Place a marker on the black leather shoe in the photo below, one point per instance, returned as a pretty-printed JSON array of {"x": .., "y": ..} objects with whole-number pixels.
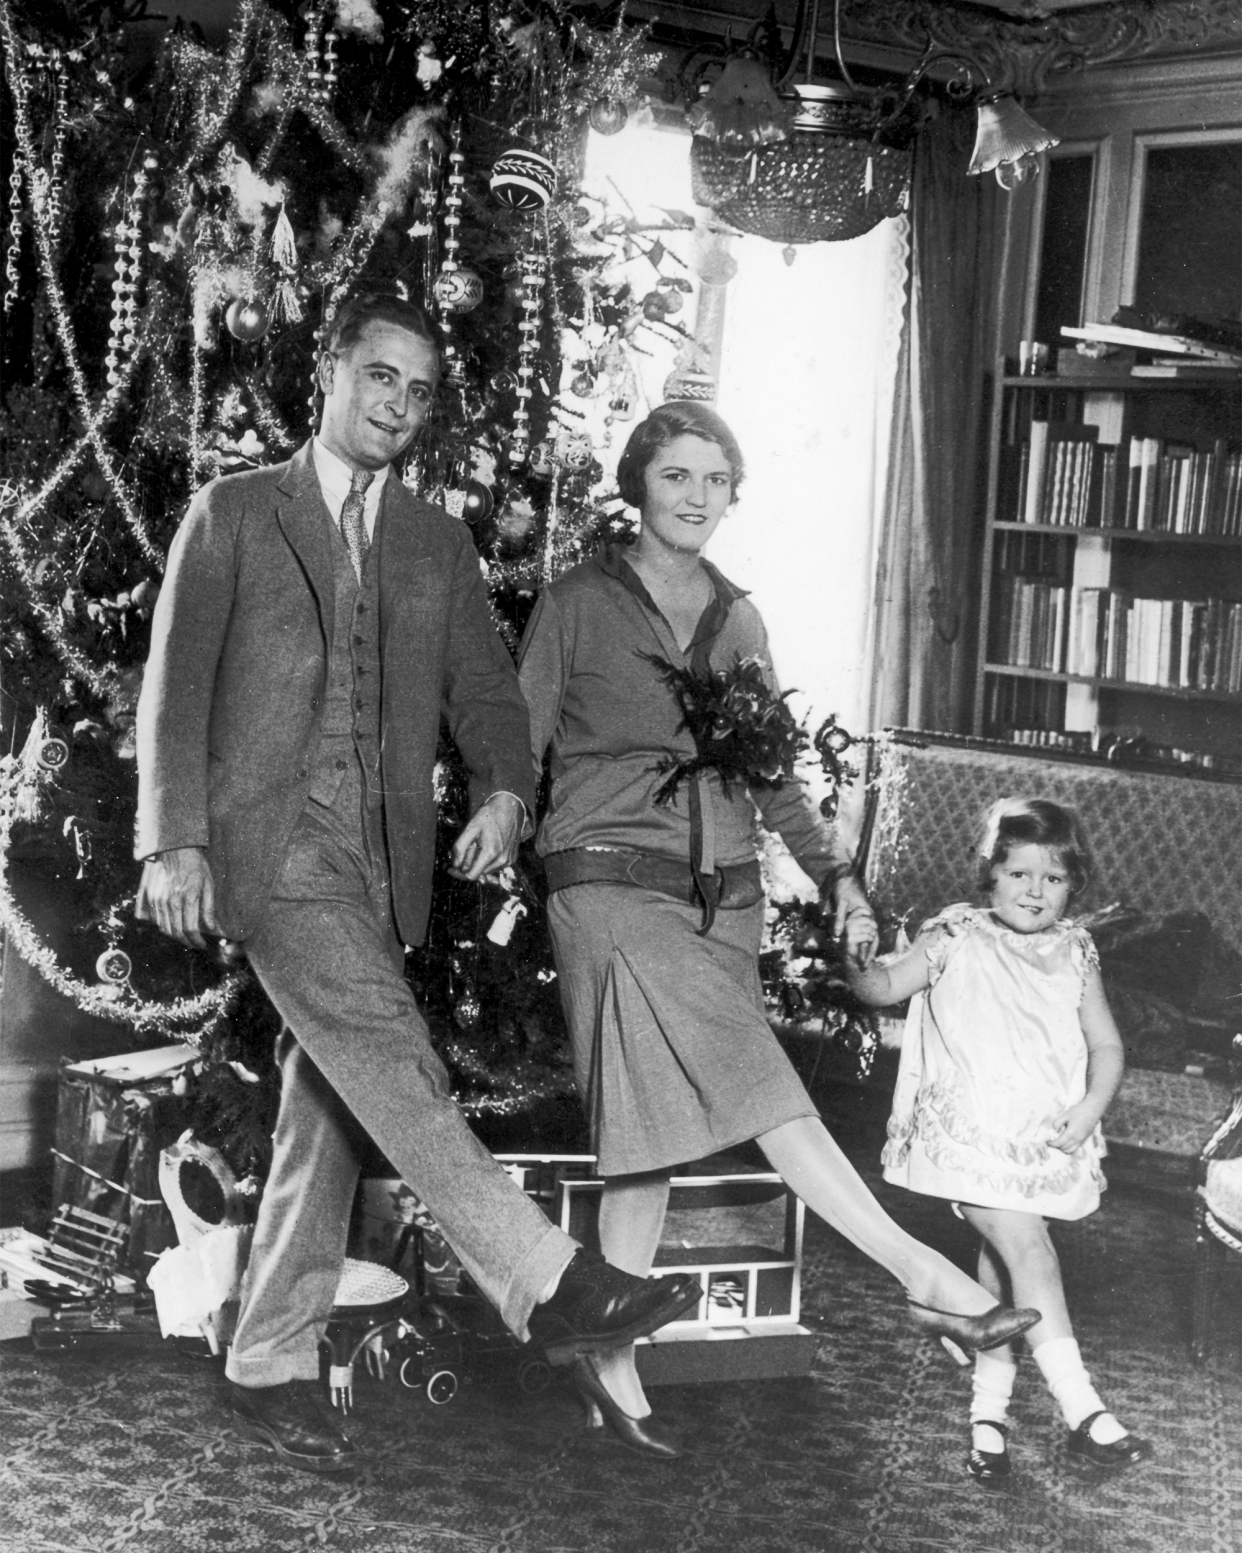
[
  {"x": 295, "y": 1421},
  {"x": 1124, "y": 1452},
  {"x": 989, "y": 1467},
  {"x": 597, "y": 1307},
  {"x": 643, "y": 1435}
]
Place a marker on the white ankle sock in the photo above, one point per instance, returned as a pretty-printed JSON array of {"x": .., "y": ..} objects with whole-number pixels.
[
  {"x": 1060, "y": 1363},
  {"x": 989, "y": 1403}
]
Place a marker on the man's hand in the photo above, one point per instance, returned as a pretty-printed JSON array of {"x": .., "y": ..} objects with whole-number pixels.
[
  {"x": 178, "y": 894},
  {"x": 489, "y": 840}
]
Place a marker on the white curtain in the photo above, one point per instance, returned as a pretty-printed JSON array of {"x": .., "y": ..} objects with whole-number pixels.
[{"x": 808, "y": 370}]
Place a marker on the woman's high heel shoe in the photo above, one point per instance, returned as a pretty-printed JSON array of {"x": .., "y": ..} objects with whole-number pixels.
[
  {"x": 640, "y": 1434},
  {"x": 963, "y": 1335}
]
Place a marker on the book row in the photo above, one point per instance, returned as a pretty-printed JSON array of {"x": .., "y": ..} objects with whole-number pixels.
[
  {"x": 1066, "y": 477},
  {"x": 1107, "y": 633}
]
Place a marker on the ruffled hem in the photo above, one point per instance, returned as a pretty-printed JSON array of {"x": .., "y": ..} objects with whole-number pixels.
[{"x": 1026, "y": 1171}]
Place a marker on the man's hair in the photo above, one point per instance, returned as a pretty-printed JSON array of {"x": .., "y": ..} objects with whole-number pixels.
[
  {"x": 376, "y": 306},
  {"x": 1020, "y": 822},
  {"x": 680, "y": 418}
]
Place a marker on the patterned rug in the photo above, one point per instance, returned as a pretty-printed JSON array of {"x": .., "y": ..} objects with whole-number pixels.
[{"x": 136, "y": 1453}]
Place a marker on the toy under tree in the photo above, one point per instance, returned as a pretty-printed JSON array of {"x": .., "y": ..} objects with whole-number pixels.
[{"x": 180, "y": 229}]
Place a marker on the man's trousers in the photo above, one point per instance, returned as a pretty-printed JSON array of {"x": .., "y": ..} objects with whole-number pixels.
[{"x": 355, "y": 1042}]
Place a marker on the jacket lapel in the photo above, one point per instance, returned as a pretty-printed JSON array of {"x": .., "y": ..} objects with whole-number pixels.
[
  {"x": 303, "y": 517},
  {"x": 406, "y": 569}
]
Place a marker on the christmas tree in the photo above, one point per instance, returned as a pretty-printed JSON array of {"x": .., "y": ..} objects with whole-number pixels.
[{"x": 181, "y": 228}]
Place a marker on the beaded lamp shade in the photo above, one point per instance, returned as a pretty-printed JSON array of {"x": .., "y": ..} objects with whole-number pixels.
[
  {"x": 843, "y": 168},
  {"x": 810, "y": 188}
]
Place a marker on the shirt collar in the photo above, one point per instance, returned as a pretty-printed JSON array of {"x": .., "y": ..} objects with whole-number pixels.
[
  {"x": 335, "y": 476},
  {"x": 613, "y": 562}
]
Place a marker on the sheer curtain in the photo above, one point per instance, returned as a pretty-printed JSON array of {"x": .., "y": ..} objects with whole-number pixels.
[{"x": 807, "y": 377}]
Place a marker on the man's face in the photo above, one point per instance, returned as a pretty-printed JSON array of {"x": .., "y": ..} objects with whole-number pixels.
[{"x": 377, "y": 393}]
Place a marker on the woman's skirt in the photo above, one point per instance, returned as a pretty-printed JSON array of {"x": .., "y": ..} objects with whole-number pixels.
[{"x": 672, "y": 1050}]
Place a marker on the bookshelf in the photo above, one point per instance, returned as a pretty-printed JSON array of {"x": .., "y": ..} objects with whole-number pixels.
[{"x": 1111, "y": 611}]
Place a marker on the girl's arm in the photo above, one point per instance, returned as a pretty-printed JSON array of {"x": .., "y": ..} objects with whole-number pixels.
[
  {"x": 882, "y": 985},
  {"x": 1106, "y": 1060}
]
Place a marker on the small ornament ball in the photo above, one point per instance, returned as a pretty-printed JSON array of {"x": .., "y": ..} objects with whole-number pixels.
[
  {"x": 523, "y": 180},
  {"x": 53, "y": 755},
  {"x": 247, "y": 320},
  {"x": 608, "y": 116},
  {"x": 113, "y": 966},
  {"x": 467, "y": 1011},
  {"x": 479, "y": 501},
  {"x": 457, "y": 291}
]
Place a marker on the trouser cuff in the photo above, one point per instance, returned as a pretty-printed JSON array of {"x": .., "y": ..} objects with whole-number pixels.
[{"x": 547, "y": 1258}]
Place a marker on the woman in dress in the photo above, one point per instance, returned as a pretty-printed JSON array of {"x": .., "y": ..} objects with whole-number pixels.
[{"x": 656, "y": 910}]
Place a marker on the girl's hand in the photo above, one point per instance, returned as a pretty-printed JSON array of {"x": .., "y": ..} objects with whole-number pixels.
[{"x": 1073, "y": 1127}]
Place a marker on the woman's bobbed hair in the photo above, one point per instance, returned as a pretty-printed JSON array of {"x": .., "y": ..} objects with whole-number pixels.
[
  {"x": 679, "y": 418},
  {"x": 1020, "y": 822}
]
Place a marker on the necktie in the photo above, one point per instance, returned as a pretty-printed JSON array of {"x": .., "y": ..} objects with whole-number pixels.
[{"x": 353, "y": 528}]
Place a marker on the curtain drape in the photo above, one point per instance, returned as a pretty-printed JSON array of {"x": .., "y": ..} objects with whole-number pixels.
[{"x": 927, "y": 582}]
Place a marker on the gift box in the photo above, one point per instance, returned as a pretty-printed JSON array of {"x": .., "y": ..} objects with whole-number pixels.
[{"x": 113, "y": 1117}]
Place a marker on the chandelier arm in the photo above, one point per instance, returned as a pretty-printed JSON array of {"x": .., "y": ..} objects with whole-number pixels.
[{"x": 789, "y": 59}]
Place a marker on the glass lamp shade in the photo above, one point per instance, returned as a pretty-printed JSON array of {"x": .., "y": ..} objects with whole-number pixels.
[{"x": 1008, "y": 142}]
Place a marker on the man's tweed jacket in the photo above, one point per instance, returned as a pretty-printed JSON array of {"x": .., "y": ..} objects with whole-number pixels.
[{"x": 233, "y": 693}]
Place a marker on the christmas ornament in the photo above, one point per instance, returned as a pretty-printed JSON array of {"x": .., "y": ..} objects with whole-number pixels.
[
  {"x": 467, "y": 1011},
  {"x": 479, "y": 501},
  {"x": 505, "y": 920},
  {"x": 608, "y": 116},
  {"x": 517, "y": 521},
  {"x": 457, "y": 291},
  {"x": 246, "y": 320},
  {"x": 523, "y": 180},
  {"x": 534, "y": 274},
  {"x": 114, "y": 967},
  {"x": 578, "y": 450},
  {"x": 52, "y": 755},
  {"x": 718, "y": 269},
  {"x": 542, "y": 460}
]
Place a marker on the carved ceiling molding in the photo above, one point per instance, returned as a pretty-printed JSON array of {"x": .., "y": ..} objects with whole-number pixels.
[{"x": 1026, "y": 56}]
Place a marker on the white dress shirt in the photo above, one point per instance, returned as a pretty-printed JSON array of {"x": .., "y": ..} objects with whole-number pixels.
[{"x": 335, "y": 478}]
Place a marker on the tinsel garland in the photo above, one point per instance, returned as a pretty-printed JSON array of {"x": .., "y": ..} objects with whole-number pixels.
[
  {"x": 117, "y": 1004},
  {"x": 51, "y": 279},
  {"x": 742, "y": 730}
]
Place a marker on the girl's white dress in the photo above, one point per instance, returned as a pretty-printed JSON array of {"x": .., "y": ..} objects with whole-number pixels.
[{"x": 993, "y": 1052}]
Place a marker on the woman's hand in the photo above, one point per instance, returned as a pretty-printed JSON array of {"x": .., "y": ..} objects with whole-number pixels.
[
  {"x": 1073, "y": 1127},
  {"x": 854, "y": 923}
]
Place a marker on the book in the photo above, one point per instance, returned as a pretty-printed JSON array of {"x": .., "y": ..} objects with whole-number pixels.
[
  {"x": 1200, "y": 371},
  {"x": 1152, "y": 340}
]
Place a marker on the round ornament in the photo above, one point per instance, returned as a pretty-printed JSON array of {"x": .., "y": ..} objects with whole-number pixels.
[
  {"x": 53, "y": 755},
  {"x": 457, "y": 291},
  {"x": 655, "y": 306},
  {"x": 523, "y": 180},
  {"x": 247, "y": 320},
  {"x": 542, "y": 460},
  {"x": 608, "y": 116},
  {"x": 114, "y": 967},
  {"x": 467, "y": 1011},
  {"x": 479, "y": 501}
]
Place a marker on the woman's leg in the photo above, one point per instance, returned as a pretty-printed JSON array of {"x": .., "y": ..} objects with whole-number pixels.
[
  {"x": 631, "y": 1216},
  {"x": 808, "y": 1158}
]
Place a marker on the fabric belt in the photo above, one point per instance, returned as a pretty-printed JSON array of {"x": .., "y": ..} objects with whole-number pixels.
[{"x": 729, "y": 888}]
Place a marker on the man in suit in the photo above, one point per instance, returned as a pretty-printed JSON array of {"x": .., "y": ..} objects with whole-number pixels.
[{"x": 316, "y": 622}]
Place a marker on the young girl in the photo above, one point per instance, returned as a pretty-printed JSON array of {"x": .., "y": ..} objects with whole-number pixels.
[{"x": 1010, "y": 1059}]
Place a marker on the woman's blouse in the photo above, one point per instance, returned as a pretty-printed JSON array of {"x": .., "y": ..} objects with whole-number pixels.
[{"x": 611, "y": 721}]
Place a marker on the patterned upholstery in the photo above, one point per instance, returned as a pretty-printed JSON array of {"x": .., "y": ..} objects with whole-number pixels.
[{"x": 1162, "y": 842}]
